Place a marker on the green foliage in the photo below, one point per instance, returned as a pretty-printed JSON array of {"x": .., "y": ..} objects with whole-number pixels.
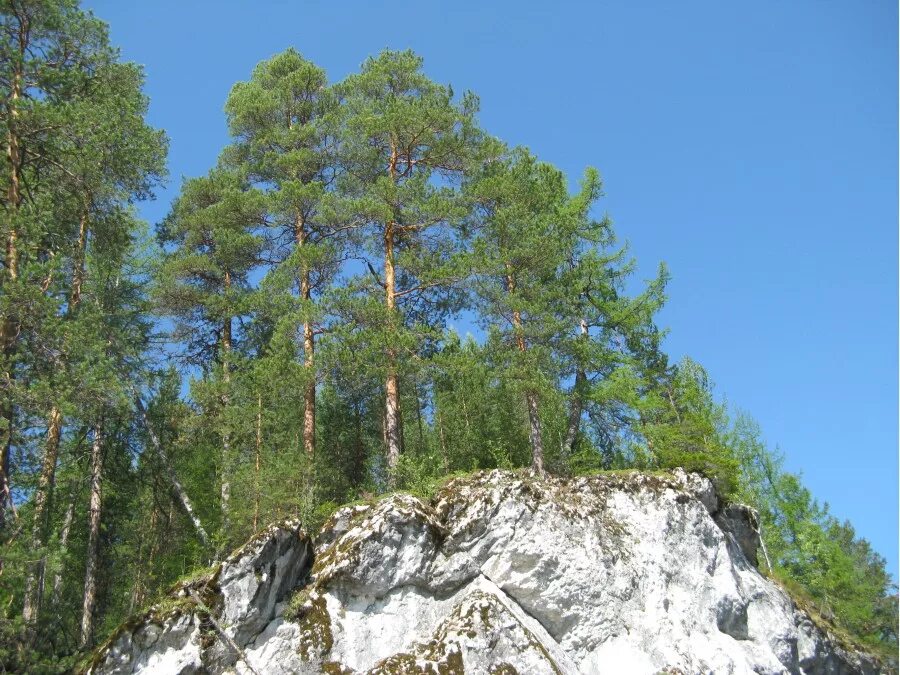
[
  {"x": 813, "y": 554},
  {"x": 324, "y": 259},
  {"x": 684, "y": 426}
]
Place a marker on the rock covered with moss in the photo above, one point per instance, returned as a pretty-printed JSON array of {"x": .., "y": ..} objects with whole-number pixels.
[{"x": 500, "y": 573}]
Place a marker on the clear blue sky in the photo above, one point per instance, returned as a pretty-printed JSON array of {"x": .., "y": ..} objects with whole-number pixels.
[{"x": 751, "y": 146}]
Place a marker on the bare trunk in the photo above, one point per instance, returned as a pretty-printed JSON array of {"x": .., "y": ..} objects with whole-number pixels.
[
  {"x": 309, "y": 395},
  {"x": 577, "y": 401},
  {"x": 178, "y": 490},
  {"x": 34, "y": 582},
  {"x": 258, "y": 453},
  {"x": 63, "y": 544},
  {"x": 225, "y": 484},
  {"x": 531, "y": 396},
  {"x": 534, "y": 425},
  {"x": 90, "y": 572},
  {"x": 7, "y": 323},
  {"x": 392, "y": 388}
]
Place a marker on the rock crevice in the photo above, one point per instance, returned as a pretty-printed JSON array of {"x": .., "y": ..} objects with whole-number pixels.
[{"x": 500, "y": 573}]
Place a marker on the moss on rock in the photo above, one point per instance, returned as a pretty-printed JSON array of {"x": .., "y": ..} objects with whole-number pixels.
[{"x": 310, "y": 612}]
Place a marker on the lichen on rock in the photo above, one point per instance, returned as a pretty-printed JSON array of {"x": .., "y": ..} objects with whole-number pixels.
[{"x": 501, "y": 572}]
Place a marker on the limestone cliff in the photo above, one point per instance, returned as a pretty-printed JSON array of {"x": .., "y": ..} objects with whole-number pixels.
[{"x": 500, "y": 573}]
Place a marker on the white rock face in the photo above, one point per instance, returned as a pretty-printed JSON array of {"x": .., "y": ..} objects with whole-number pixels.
[{"x": 502, "y": 573}]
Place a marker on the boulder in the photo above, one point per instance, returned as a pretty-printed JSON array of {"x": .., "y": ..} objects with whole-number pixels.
[{"x": 502, "y": 572}]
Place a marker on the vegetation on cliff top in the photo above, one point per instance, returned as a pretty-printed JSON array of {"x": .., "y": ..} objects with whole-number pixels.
[{"x": 283, "y": 343}]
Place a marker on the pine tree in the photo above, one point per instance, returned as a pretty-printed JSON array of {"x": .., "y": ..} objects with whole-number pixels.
[
  {"x": 519, "y": 250},
  {"x": 403, "y": 143},
  {"x": 204, "y": 284},
  {"x": 49, "y": 51},
  {"x": 282, "y": 120},
  {"x": 100, "y": 178}
]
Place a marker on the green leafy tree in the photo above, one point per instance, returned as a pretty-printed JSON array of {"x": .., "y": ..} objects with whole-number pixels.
[
  {"x": 809, "y": 550},
  {"x": 478, "y": 417},
  {"x": 684, "y": 426},
  {"x": 590, "y": 295}
]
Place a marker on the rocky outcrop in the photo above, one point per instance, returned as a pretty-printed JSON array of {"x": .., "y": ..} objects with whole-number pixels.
[{"x": 500, "y": 573}]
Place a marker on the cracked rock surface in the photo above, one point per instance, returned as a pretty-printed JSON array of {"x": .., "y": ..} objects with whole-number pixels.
[{"x": 500, "y": 573}]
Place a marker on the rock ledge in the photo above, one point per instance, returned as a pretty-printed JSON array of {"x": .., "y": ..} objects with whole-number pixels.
[{"x": 501, "y": 573}]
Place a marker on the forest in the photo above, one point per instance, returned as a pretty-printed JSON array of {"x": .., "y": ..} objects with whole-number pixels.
[{"x": 282, "y": 342}]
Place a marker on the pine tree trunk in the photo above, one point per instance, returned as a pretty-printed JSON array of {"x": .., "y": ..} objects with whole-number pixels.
[
  {"x": 309, "y": 410},
  {"x": 63, "y": 544},
  {"x": 531, "y": 396},
  {"x": 392, "y": 418},
  {"x": 6, "y": 421},
  {"x": 6, "y": 430},
  {"x": 309, "y": 395},
  {"x": 392, "y": 388},
  {"x": 7, "y": 323},
  {"x": 225, "y": 482},
  {"x": 90, "y": 573},
  {"x": 258, "y": 453},
  {"x": 34, "y": 582},
  {"x": 79, "y": 258}
]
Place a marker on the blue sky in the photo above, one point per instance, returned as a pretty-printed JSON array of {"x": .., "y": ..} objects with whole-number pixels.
[{"x": 751, "y": 146}]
